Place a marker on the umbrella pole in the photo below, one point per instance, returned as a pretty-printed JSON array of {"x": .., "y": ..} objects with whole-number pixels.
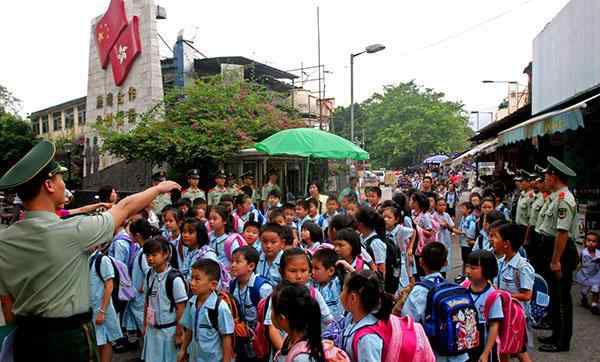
[{"x": 306, "y": 175}]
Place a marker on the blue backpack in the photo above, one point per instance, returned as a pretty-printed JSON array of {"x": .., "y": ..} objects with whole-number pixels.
[
  {"x": 450, "y": 318},
  {"x": 254, "y": 290},
  {"x": 540, "y": 300}
]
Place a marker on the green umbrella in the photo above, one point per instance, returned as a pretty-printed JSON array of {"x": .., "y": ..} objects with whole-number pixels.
[{"x": 310, "y": 142}]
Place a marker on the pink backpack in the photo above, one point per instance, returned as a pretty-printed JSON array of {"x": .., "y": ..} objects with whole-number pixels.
[
  {"x": 403, "y": 340},
  {"x": 332, "y": 353},
  {"x": 229, "y": 244},
  {"x": 435, "y": 227}
]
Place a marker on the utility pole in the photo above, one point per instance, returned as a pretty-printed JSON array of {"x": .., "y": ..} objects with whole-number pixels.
[{"x": 319, "y": 65}]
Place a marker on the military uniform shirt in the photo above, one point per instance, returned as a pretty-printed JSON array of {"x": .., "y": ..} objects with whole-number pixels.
[
  {"x": 44, "y": 262},
  {"x": 214, "y": 195},
  {"x": 540, "y": 218},
  {"x": 560, "y": 214},
  {"x": 523, "y": 209},
  {"x": 160, "y": 202},
  {"x": 536, "y": 207},
  {"x": 266, "y": 189},
  {"x": 193, "y": 194}
]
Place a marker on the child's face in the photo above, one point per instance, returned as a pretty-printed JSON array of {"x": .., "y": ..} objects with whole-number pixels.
[
  {"x": 245, "y": 207},
  {"x": 288, "y": 215},
  {"x": 343, "y": 249},
  {"x": 475, "y": 201},
  {"x": 170, "y": 222},
  {"x": 228, "y": 205},
  {"x": 240, "y": 266},
  {"x": 216, "y": 221},
  {"x": 251, "y": 234},
  {"x": 497, "y": 242},
  {"x": 312, "y": 210},
  {"x": 273, "y": 201},
  {"x": 591, "y": 242},
  {"x": 345, "y": 202},
  {"x": 297, "y": 270},
  {"x": 320, "y": 274},
  {"x": 474, "y": 272},
  {"x": 189, "y": 236},
  {"x": 271, "y": 244},
  {"x": 200, "y": 213},
  {"x": 184, "y": 209},
  {"x": 462, "y": 210},
  {"x": 441, "y": 206},
  {"x": 332, "y": 206},
  {"x": 157, "y": 259},
  {"x": 279, "y": 220},
  {"x": 487, "y": 207},
  {"x": 300, "y": 212},
  {"x": 389, "y": 218},
  {"x": 372, "y": 198},
  {"x": 200, "y": 284},
  {"x": 431, "y": 203},
  {"x": 305, "y": 235},
  {"x": 352, "y": 209}
]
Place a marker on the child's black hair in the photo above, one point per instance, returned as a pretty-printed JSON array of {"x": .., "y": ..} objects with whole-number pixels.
[
  {"x": 593, "y": 233},
  {"x": 434, "y": 256},
  {"x": 374, "y": 189},
  {"x": 272, "y": 227},
  {"x": 395, "y": 211},
  {"x": 210, "y": 267},
  {"x": 312, "y": 202},
  {"x": 402, "y": 201},
  {"x": 225, "y": 215},
  {"x": 198, "y": 201},
  {"x": 333, "y": 198},
  {"x": 371, "y": 219},
  {"x": 493, "y": 216},
  {"x": 287, "y": 235},
  {"x": 467, "y": 205},
  {"x": 200, "y": 228},
  {"x": 184, "y": 201},
  {"x": 486, "y": 260},
  {"x": 177, "y": 214},
  {"x": 275, "y": 213},
  {"x": 369, "y": 287},
  {"x": 104, "y": 193},
  {"x": 287, "y": 206},
  {"x": 156, "y": 244},
  {"x": 240, "y": 199},
  {"x": 255, "y": 224},
  {"x": 302, "y": 203},
  {"x": 339, "y": 222},
  {"x": 292, "y": 253},
  {"x": 226, "y": 198},
  {"x": 514, "y": 234},
  {"x": 274, "y": 193},
  {"x": 326, "y": 256},
  {"x": 351, "y": 237},
  {"x": 421, "y": 200},
  {"x": 496, "y": 224},
  {"x": 302, "y": 313},
  {"x": 315, "y": 231},
  {"x": 143, "y": 228},
  {"x": 250, "y": 254}
]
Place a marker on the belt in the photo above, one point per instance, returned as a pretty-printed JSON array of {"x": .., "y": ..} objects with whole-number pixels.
[
  {"x": 62, "y": 323},
  {"x": 164, "y": 326}
]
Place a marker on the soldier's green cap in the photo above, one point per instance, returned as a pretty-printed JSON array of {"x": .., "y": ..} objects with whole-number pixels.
[
  {"x": 247, "y": 174},
  {"x": 220, "y": 174},
  {"x": 39, "y": 160},
  {"x": 556, "y": 166}
]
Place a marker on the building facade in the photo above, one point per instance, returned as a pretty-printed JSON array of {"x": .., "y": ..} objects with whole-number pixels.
[{"x": 62, "y": 121}]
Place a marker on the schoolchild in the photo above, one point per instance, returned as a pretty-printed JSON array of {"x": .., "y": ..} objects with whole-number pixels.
[
  {"x": 199, "y": 209},
  {"x": 475, "y": 200},
  {"x": 483, "y": 239},
  {"x": 312, "y": 237},
  {"x": 445, "y": 233},
  {"x": 221, "y": 224},
  {"x": 246, "y": 212},
  {"x": 481, "y": 270},
  {"x": 289, "y": 214},
  {"x": 272, "y": 250},
  {"x": 172, "y": 220},
  {"x": 195, "y": 237},
  {"x": 467, "y": 230},
  {"x": 515, "y": 274},
  {"x": 364, "y": 299},
  {"x": 432, "y": 261},
  {"x": 371, "y": 227},
  {"x": 373, "y": 197},
  {"x": 184, "y": 205},
  {"x": 202, "y": 339},
  {"x": 276, "y": 215},
  {"x": 352, "y": 207},
  {"x": 289, "y": 238},
  {"x": 301, "y": 214},
  {"x": 247, "y": 288},
  {"x": 588, "y": 275},
  {"x": 161, "y": 313},
  {"x": 326, "y": 280},
  {"x": 273, "y": 200},
  {"x": 401, "y": 236},
  {"x": 299, "y": 316},
  {"x": 250, "y": 234},
  {"x": 332, "y": 206},
  {"x": 348, "y": 247},
  {"x": 106, "y": 320},
  {"x": 419, "y": 205},
  {"x": 313, "y": 210},
  {"x": 123, "y": 247}
]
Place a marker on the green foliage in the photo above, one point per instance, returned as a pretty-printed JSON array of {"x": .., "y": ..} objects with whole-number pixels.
[
  {"x": 211, "y": 119},
  {"x": 8, "y": 102},
  {"x": 407, "y": 123},
  {"x": 16, "y": 139}
]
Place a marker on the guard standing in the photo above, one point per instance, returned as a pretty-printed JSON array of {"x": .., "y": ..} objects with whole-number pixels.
[
  {"x": 44, "y": 260},
  {"x": 248, "y": 186},
  {"x": 193, "y": 191},
  {"x": 522, "y": 216},
  {"x": 270, "y": 186},
  {"x": 558, "y": 230},
  {"x": 214, "y": 195},
  {"x": 534, "y": 212}
]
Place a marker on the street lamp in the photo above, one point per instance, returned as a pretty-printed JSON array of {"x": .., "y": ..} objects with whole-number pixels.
[
  {"x": 68, "y": 147},
  {"x": 373, "y": 48}
]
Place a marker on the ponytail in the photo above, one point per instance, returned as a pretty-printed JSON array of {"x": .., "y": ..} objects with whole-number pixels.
[
  {"x": 373, "y": 298},
  {"x": 225, "y": 215}
]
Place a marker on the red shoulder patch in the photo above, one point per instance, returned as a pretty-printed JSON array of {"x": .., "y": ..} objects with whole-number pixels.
[{"x": 561, "y": 196}]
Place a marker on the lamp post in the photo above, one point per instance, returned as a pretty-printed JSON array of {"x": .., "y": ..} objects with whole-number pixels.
[
  {"x": 374, "y": 48},
  {"x": 68, "y": 147}
]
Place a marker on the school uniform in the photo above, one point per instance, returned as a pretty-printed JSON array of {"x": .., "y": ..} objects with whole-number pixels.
[
  {"x": 109, "y": 330},
  {"x": 133, "y": 319},
  {"x": 257, "y": 246},
  {"x": 281, "y": 356},
  {"x": 326, "y": 316},
  {"x": 377, "y": 246},
  {"x": 217, "y": 243},
  {"x": 505, "y": 211},
  {"x": 300, "y": 222},
  {"x": 325, "y": 219},
  {"x": 159, "y": 341},
  {"x": 192, "y": 256},
  {"x": 121, "y": 248},
  {"x": 495, "y": 314},
  {"x": 401, "y": 235},
  {"x": 415, "y": 307},
  {"x": 331, "y": 294},
  {"x": 246, "y": 308},
  {"x": 483, "y": 241},
  {"x": 445, "y": 237},
  {"x": 269, "y": 271},
  {"x": 206, "y": 344},
  {"x": 253, "y": 215},
  {"x": 370, "y": 346},
  {"x": 588, "y": 276},
  {"x": 184, "y": 251},
  {"x": 468, "y": 225}
]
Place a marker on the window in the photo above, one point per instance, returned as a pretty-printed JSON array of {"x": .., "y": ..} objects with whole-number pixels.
[
  {"x": 35, "y": 126},
  {"x": 45, "y": 125},
  {"x": 69, "y": 119},
  {"x": 131, "y": 115},
  {"x": 120, "y": 98},
  {"x": 132, "y": 94},
  {"x": 109, "y": 100},
  {"x": 56, "y": 121},
  {"x": 99, "y": 102},
  {"x": 81, "y": 116}
]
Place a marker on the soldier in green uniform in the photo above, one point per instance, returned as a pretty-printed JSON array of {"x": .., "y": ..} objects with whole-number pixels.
[
  {"x": 161, "y": 200},
  {"x": 214, "y": 195},
  {"x": 524, "y": 201},
  {"x": 270, "y": 186},
  {"x": 193, "y": 191},
  {"x": 534, "y": 212},
  {"x": 558, "y": 230},
  {"x": 248, "y": 186},
  {"x": 44, "y": 260}
]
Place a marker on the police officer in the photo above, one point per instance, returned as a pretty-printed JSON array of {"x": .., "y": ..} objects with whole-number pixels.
[
  {"x": 162, "y": 200},
  {"x": 515, "y": 194},
  {"x": 270, "y": 186},
  {"x": 534, "y": 212},
  {"x": 523, "y": 203},
  {"x": 193, "y": 191},
  {"x": 214, "y": 195},
  {"x": 558, "y": 229},
  {"x": 44, "y": 260},
  {"x": 248, "y": 186}
]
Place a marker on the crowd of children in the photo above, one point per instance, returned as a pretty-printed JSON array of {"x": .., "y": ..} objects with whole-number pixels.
[{"x": 232, "y": 282}]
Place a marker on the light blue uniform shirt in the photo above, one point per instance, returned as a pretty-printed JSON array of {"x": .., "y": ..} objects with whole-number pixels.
[
  {"x": 121, "y": 246},
  {"x": 134, "y": 313},
  {"x": 401, "y": 235},
  {"x": 496, "y": 313},
  {"x": 192, "y": 256},
  {"x": 468, "y": 225},
  {"x": 515, "y": 275},
  {"x": 326, "y": 316},
  {"x": 331, "y": 294},
  {"x": 246, "y": 309},
  {"x": 110, "y": 330},
  {"x": 269, "y": 271},
  {"x": 378, "y": 247},
  {"x": 370, "y": 346},
  {"x": 206, "y": 342},
  {"x": 218, "y": 245},
  {"x": 485, "y": 241},
  {"x": 415, "y": 307}
]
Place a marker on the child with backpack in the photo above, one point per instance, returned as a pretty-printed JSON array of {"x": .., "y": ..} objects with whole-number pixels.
[
  {"x": 423, "y": 225},
  {"x": 588, "y": 275},
  {"x": 515, "y": 274},
  {"x": 312, "y": 236},
  {"x": 327, "y": 280},
  {"x": 106, "y": 321},
  {"x": 371, "y": 228},
  {"x": 467, "y": 230},
  {"x": 482, "y": 268},
  {"x": 445, "y": 233},
  {"x": 272, "y": 250},
  {"x": 401, "y": 235},
  {"x": 348, "y": 247},
  {"x": 462, "y": 335},
  {"x": 202, "y": 339},
  {"x": 223, "y": 239},
  {"x": 172, "y": 220},
  {"x": 250, "y": 234},
  {"x": 195, "y": 238},
  {"x": 166, "y": 294}
]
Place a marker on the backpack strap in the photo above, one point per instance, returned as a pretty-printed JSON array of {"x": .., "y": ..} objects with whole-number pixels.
[
  {"x": 232, "y": 285},
  {"x": 228, "y": 244},
  {"x": 259, "y": 281},
  {"x": 213, "y": 314},
  {"x": 171, "y": 276},
  {"x": 360, "y": 263},
  {"x": 97, "y": 261},
  {"x": 296, "y": 350},
  {"x": 361, "y": 332},
  {"x": 489, "y": 302}
]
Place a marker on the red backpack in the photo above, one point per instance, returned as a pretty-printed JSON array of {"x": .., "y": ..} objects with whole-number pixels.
[
  {"x": 403, "y": 340},
  {"x": 332, "y": 353},
  {"x": 513, "y": 329}
]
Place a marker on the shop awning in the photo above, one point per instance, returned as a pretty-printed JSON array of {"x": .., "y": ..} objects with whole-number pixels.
[
  {"x": 562, "y": 120},
  {"x": 482, "y": 148}
]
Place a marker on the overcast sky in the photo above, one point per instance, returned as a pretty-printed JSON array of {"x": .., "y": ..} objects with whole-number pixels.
[{"x": 450, "y": 46}]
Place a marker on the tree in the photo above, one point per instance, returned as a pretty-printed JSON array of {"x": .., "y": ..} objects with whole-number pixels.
[
  {"x": 407, "y": 123},
  {"x": 16, "y": 139},
  {"x": 8, "y": 102},
  {"x": 210, "y": 119}
]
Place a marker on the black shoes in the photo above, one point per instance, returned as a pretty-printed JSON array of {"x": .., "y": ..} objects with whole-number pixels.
[
  {"x": 595, "y": 310},
  {"x": 552, "y": 348},
  {"x": 585, "y": 303},
  {"x": 546, "y": 340}
]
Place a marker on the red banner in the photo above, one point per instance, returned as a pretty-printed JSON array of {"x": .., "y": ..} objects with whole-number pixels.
[{"x": 127, "y": 47}]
